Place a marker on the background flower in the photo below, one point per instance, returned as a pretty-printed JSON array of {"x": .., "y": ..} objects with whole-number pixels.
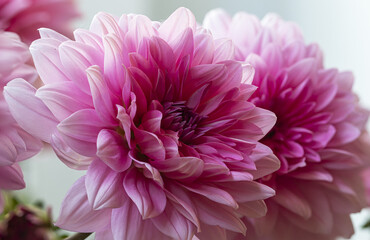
[
  {"x": 158, "y": 115},
  {"x": 318, "y": 133},
  {"x": 15, "y": 144},
  {"x": 25, "y": 17}
]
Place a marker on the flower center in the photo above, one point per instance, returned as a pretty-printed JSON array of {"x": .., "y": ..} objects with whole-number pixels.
[{"x": 181, "y": 119}]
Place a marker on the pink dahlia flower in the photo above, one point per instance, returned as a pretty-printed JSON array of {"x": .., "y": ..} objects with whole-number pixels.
[
  {"x": 317, "y": 137},
  {"x": 24, "y": 17},
  {"x": 15, "y": 144},
  {"x": 158, "y": 115}
]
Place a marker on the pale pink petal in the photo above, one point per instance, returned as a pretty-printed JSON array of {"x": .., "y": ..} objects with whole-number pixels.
[
  {"x": 104, "y": 186},
  {"x": 27, "y": 109},
  {"x": 175, "y": 24},
  {"x": 68, "y": 156},
  {"x": 80, "y": 131},
  {"x": 76, "y": 213}
]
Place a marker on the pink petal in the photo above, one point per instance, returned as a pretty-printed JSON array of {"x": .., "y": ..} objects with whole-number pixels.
[
  {"x": 49, "y": 33},
  {"x": 127, "y": 223},
  {"x": 148, "y": 196},
  {"x": 224, "y": 50},
  {"x": 101, "y": 95},
  {"x": 11, "y": 177},
  {"x": 104, "y": 186},
  {"x": 175, "y": 24},
  {"x": 64, "y": 98},
  {"x": 80, "y": 131},
  {"x": 293, "y": 201},
  {"x": 253, "y": 209},
  {"x": 8, "y": 152},
  {"x": 114, "y": 72},
  {"x": 76, "y": 213},
  {"x": 103, "y": 24},
  {"x": 247, "y": 191},
  {"x": 89, "y": 38},
  {"x": 345, "y": 133},
  {"x": 112, "y": 151},
  {"x": 215, "y": 194},
  {"x": 27, "y": 109},
  {"x": 174, "y": 225},
  {"x": 76, "y": 57},
  {"x": 150, "y": 144},
  {"x": 214, "y": 214},
  {"x": 184, "y": 169},
  {"x": 68, "y": 156},
  {"x": 211, "y": 232},
  {"x": 218, "y": 21},
  {"x": 46, "y": 58}
]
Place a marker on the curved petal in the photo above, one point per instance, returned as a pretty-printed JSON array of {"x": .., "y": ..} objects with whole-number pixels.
[
  {"x": 27, "y": 109},
  {"x": 80, "y": 131},
  {"x": 104, "y": 186},
  {"x": 76, "y": 213},
  {"x": 148, "y": 196},
  {"x": 11, "y": 177}
]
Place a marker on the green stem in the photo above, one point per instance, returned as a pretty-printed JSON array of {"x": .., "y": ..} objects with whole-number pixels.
[{"x": 78, "y": 236}]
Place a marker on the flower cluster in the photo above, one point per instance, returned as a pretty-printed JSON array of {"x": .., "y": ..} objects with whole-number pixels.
[
  {"x": 15, "y": 143},
  {"x": 186, "y": 131},
  {"x": 319, "y": 133},
  {"x": 25, "y": 17}
]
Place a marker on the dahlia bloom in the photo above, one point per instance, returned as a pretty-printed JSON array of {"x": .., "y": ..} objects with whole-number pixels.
[
  {"x": 15, "y": 144},
  {"x": 24, "y": 17},
  {"x": 158, "y": 115},
  {"x": 318, "y": 134}
]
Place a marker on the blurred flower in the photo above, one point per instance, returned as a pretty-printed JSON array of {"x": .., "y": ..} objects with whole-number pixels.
[
  {"x": 318, "y": 133},
  {"x": 158, "y": 114},
  {"x": 22, "y": 221},
  {"x": 25, "y": 17},
  {"x": 15, "y": 144}
]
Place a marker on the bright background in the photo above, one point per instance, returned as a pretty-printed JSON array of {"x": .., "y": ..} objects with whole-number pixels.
[{"x": 341, "y": 27}]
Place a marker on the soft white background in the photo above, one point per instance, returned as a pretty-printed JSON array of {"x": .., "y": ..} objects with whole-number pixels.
[{"x": 341, "y": 27}]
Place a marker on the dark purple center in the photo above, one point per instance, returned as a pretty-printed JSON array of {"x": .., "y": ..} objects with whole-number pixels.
[{"x": 181, "y": 119}]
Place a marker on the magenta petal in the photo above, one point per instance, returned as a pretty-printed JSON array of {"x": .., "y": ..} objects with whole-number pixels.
[
  {"x": 150, "y": 144},
  {"x": 76, "y": 213},
  {"x": 27, "y": 109},
  {"x": 148, "y": 196},
  {"x": 185, "y": 169},
  {"x": 104, "y": 186},
  {"x": 174, "y": 225},
  {"x": 111, "y": 150},
  {"x": 11, "y": 177}
]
